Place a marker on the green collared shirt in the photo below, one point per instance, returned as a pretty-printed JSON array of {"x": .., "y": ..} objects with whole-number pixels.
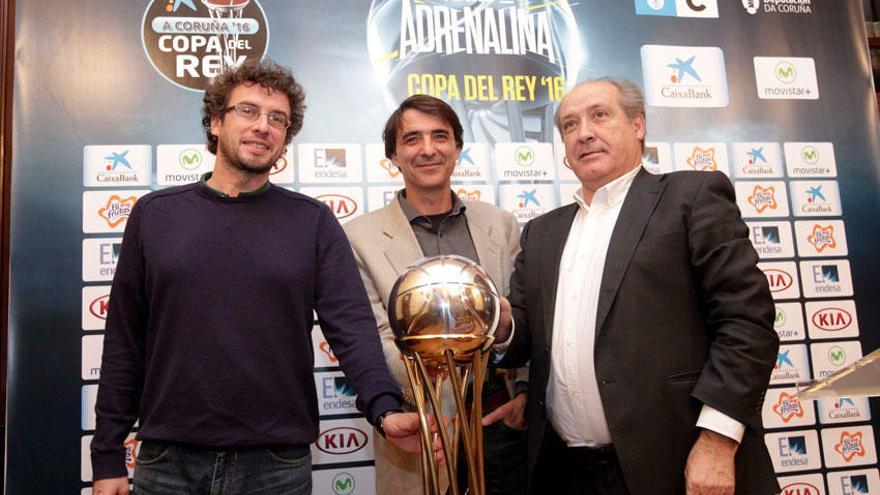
[{"x": 203, "y": 184}]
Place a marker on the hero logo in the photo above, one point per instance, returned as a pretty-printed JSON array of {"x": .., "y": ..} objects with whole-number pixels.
[
  {"x": 341, "y": 206},
  {"x": 798, "y": 488},
  {"x": 99, "y": 306},
  {"x": 325, "y": 348},
  {"x": 117, "y": 209},
  {"x": 850, "y": 446},
  {"x": 832, "y": 319},
  {"x": 131, "y": 450},
  {"x": 341, "y": 440},
  {"x": 778, "y": 279}
]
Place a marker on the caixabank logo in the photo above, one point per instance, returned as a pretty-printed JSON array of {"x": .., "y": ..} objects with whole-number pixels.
[
  {"x": 844, "y": 410},
  {"x": 117, "y": 166},
  {"x": 791, "y": 365},
  {"x": 757, "y": 160},
  {"x": 191, "y": 41},
  {"x": 684, "y": 76}
]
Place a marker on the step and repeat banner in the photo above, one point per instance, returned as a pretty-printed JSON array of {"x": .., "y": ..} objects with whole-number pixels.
[{"x": 777, "y": 94}]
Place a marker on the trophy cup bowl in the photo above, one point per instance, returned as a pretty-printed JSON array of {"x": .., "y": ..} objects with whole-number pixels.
[
  {"x": 444, "y": 303},
  {"x": 443, "y": 311}
]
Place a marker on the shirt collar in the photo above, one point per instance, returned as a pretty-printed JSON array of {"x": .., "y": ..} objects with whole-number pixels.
[
  {"x": 610, "y": 194},
  {"x": 203, "y": 183},
  {"x": 458, "y": 206}
]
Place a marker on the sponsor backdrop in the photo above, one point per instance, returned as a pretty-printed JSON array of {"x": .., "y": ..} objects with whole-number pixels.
[{"x": 777, "y": 94}]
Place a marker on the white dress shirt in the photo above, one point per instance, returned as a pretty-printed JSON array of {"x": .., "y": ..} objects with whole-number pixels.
[{"x": 574, "y": 406}]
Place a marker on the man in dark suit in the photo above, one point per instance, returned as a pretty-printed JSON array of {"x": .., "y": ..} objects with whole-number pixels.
[{"x": 647, "y": 323}]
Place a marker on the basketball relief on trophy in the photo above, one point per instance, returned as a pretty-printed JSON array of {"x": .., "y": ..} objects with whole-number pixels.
[{"x": 191, "y": 41}]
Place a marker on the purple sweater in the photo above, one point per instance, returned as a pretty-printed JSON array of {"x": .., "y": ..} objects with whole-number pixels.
[{"x": 208, "y": 336}]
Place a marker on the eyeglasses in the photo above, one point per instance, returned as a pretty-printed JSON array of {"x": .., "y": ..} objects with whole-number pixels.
[{"x": 251, "y": 113}]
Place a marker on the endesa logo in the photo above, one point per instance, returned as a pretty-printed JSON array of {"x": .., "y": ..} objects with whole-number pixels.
[
  {"x": 341, "y": 440},
  {"x": 342, "y": 206},
  {"x": 779, "y": 280},
  {"x": 799, "y": 489},
  {"x": 832, "y": 319},
  {"x": 99, "y": 306}
]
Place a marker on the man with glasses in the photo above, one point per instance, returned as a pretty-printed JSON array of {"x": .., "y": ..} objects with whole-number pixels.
[{"x": 208, "y": 335}]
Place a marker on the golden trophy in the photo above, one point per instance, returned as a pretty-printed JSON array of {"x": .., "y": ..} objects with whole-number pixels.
[{"x": 444, "y": 311}]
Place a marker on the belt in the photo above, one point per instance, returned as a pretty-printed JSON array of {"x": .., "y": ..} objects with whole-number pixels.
[{"x": 596, "y": 453}]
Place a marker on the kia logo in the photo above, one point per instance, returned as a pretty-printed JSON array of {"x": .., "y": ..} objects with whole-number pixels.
[
  {"x": 799, "y": 489},
  {"x": 779, "y": 280},
  {"x": 341, "y": 440},
  {"x": 341, "y": 206},
  {"x": 279, "y": 166},
  {"x": 99, "y": 306},
  {"x": 832, "y": 319}
]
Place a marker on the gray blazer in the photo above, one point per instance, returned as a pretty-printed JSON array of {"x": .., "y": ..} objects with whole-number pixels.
[{"x": 384, "y": 246}]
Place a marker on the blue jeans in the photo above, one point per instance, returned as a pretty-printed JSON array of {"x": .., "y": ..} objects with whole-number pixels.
[{"x": 166, "y": 469}]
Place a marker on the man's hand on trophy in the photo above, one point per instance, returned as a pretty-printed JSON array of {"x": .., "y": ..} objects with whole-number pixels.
[
  {"x": 502, "y": 333},
  {"x": 402, "y": 430},
  {"x": 511, "y": 412}
]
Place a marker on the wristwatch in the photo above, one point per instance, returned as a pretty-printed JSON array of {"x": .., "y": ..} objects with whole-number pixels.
[{"x": 381, "y": 418}]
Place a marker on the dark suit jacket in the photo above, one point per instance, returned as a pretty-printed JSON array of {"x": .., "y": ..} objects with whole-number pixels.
[{"x": 684, "y": 318}]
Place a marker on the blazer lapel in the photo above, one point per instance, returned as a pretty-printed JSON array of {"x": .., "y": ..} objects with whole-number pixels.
[
  {"x": 554, "y": 242},
  {"x": 488, "y": 247},
  {"x": 642, "y": 198},
  {"x": 401, "y": 247}
]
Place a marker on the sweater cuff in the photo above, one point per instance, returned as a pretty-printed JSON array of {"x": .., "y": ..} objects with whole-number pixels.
[
  {"x": 381, "y": 405},
  {"x": 108, "y": 465}
]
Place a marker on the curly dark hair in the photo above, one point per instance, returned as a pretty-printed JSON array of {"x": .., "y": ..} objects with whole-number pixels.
[
  {"x": 425, "y": 104},
  {"x": 267, "y": 74}
]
